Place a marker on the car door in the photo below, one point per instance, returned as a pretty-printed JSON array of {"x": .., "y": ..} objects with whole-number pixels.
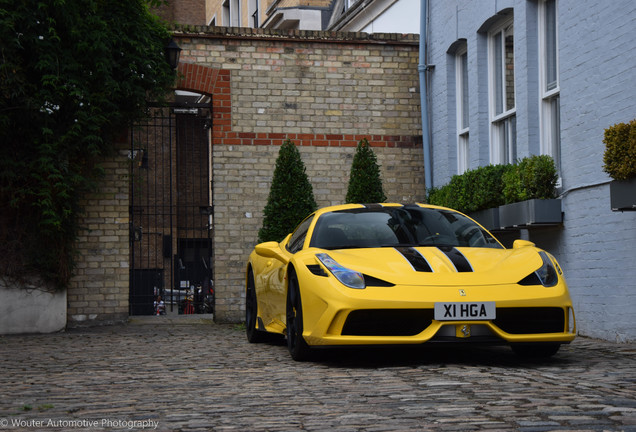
[
  {"x": 278, "y": 283},
  {"x": 268, "y": 278}
]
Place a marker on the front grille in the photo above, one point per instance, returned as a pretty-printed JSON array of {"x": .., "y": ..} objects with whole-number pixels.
[
  {"x": 387, "y": 322},
  {"x": 531, "y": 320}
]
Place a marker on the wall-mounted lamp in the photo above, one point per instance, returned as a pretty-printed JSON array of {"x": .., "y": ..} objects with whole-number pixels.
[
  {"x": 173, "y": 52},
  {"x": 140, "y": 157}
]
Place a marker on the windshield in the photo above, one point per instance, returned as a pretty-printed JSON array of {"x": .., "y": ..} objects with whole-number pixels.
[{"x": 398, "y": 226}]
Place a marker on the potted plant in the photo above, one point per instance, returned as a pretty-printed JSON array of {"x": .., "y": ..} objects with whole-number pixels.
[
  {"x": 505, "y": 196},
  {"x": 529, "y": 191},
  {"x": 291, "y": 196},
  {"x": 620, "y": 163},
  {"x": 487, "y": 194},
  {"x": 477, "y": 192},
  {"x": 365, "y": 182}
]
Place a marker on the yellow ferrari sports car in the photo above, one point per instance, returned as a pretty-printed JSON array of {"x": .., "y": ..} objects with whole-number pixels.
[{"x": 382, "y": 274}]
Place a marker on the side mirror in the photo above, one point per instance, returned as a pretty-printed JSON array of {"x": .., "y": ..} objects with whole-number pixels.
[
  {"x": 269, "y": 250},
  {"x": 522, "y": 243}
]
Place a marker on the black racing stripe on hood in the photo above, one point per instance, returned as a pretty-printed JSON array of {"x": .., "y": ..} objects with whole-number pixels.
[
  {"x": 457, "y": 258},
  {"x": 417, "y": 261}
]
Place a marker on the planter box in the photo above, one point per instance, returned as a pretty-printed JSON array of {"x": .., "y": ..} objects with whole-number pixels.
[
  {"x": 530, "y": 213},
  {"x": 623, "y": 195},
  {"x": 488, "y": 218}
]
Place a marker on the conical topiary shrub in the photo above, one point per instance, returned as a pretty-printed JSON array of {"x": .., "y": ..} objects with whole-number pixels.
[
  {"x": 365, "y": 183},
  {"x": 291, "y": 197}
]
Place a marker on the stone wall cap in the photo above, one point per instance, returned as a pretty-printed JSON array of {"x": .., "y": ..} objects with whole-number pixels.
[{"x": 214, "y": 32}]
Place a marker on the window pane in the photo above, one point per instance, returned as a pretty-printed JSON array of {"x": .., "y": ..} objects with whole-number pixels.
[
  {"x": 506, "y": 140},
  {"x": 504, "y": 134},
  {"x": 550, "y": 45},
  {"x": 235, "y": 13},
  {"x": 297, "y": 240},
  {"x": 512, "y": 139},
  {"x": 510, "y": 67},
  {"x": 462, "y": 153},
  {"x": 555, "y": 138},
  {"x": 498, "y": 71},
  {"x": 464, "y": 83}
]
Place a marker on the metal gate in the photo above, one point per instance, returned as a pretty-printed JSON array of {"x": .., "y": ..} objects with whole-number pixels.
[{"x": 171, "y": 211}]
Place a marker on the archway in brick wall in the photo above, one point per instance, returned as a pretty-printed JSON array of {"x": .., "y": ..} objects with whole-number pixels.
[
  {"x": 171, "y": 214},
  {"x": 214, "y": 83}
]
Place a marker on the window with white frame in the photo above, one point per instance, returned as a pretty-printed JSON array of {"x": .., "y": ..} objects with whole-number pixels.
[
  {"x": 461, "y": 82},
  {"x": 550, "y": 123},
  {"x": 501, "y": 78}
]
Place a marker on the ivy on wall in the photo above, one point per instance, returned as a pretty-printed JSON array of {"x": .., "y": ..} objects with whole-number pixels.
[{"x": 73, "y": 75}]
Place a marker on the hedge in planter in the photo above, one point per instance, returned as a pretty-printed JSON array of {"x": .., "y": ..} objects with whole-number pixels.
[
  {"x": 620, "y": 163},
  {"x": 365, "y": 183},
  {"x": 477, "y": 189},
  {"x": 492, "y": 186},
  {"x": 291, "y": 197},
  {"x": 532, "y": 177},
  {"x": 620, "y": 151}
]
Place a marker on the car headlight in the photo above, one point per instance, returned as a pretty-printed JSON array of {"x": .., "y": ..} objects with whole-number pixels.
[
  {"x": 546, "y": 275},
  {"x": 347, "y": 277}
]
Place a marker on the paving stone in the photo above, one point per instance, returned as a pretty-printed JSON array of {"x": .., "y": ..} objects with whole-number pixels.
[{"x": 196, "y": 375}]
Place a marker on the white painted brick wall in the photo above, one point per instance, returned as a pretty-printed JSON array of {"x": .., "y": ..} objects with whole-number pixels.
[{"x": 596, "y": 247}]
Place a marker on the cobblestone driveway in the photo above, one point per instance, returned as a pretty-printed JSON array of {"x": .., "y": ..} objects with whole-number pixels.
[{"x": 207, "y": 377}]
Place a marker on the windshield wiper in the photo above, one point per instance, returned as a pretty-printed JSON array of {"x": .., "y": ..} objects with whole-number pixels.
[
  {"x": 433, "y": 244},
  {"x": 348, "y": 246}
]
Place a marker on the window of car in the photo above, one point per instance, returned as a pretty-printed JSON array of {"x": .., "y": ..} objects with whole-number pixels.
[
  {"x": 297, "y": 240},
  {"x": 398, "y": 226}
]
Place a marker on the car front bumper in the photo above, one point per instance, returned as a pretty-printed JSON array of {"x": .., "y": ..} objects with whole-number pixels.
[{"x": 335, "y": 315}]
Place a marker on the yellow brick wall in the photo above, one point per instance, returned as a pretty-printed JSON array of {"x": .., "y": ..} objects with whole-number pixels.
[
  {"x": 98, "y": 292},
  {"x": 243, "y": 176},
  {"x": 323, "y": 90}
]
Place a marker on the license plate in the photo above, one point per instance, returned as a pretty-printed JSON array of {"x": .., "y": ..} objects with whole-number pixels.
[{"x": 465, "y": 311}]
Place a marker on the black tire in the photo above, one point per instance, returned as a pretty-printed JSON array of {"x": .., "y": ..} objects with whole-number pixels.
[
  {"x": 535, "y": 350},
  {"x": 298, "y": 348},
  {"x": 251, "y": 311}
]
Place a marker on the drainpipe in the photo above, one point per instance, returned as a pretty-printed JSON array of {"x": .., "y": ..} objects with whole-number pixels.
[{"x": 422, "y": 68}]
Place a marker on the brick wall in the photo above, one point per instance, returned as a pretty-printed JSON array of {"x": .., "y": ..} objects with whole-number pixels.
[
  {"x": 325, "y": 91},
  {"x": 186, "y": 12},
  {"x": 243, "y": 176},
  {"x": 98, "y": 293}
]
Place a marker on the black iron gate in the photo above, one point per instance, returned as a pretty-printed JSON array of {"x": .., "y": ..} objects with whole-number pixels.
[{"x": 171, "y": 211}]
